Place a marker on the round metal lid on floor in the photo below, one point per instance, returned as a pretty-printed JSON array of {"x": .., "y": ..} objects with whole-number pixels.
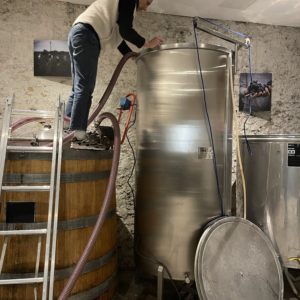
[{"x": 235, "y": 260}]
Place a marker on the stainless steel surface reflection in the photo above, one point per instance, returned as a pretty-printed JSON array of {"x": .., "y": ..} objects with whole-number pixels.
[
  {"x": 272, "y": 174},
  {"x": 176, "y": 184}
]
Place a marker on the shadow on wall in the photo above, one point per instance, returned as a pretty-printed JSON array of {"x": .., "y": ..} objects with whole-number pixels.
[{"x": 125, "y": 247}]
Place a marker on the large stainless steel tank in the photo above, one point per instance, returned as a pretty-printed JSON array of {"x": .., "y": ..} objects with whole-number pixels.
[
  {"x": 176, "y": 183},
  {"x": 272, "y": 173}
]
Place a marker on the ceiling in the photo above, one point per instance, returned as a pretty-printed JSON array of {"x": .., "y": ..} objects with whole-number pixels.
[{"x": 273, "y": 12}]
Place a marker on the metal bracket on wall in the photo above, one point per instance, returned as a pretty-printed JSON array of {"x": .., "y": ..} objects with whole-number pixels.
[{"x": 238, "y": 44}]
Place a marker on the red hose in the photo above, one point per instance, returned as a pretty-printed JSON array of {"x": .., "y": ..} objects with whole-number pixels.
[
  {"x": 27, "y": 120},
  {"x": 104, "y": 209}
]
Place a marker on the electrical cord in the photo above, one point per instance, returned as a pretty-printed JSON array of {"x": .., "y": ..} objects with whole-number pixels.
[
  {"x": 245, "y": 36},
  {"x": 250, "y": 104},
  {"x": 250, "y": 63},
  {"x": 233, "y": 109},
  {"x": 244, "y": 128},
  {"x": 152, "y": 259},
  {"x": 131, "y": 124},
  {"x": 133, "y": 167},
  {"x": 208, "y": 121}
]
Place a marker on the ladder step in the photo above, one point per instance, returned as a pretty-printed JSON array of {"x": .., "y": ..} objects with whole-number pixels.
[
  {"x": 43, "y": 149},
  {"x": 22, "y": 281},
  {"x": 23, "y": 232},
  {"x": 26, "y": 188}
]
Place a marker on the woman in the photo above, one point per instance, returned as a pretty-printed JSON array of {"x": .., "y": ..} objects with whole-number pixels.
[{"x": 104, "y": 25}]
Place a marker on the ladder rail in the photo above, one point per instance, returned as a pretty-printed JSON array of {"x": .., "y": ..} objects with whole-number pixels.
[
  {"x": 3, "y": 146},
  {"x": 4, "y": 137},
  {"x": 56, "y": 207},
  {"x": 37, "y": 264},
  {"x": 51, "y": 200}
]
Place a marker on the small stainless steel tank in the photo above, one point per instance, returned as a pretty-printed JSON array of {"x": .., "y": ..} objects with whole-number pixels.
[
  {"x": 176, "y": 184},
  {"x": 272, "y": 173}
]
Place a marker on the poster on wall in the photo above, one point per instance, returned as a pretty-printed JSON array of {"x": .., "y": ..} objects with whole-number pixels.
[
  {"x": 256, "y": 94},
  {"x": 51, "y": 58}
]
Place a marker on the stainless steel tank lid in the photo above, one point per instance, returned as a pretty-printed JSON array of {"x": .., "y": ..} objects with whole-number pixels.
[
  {"x": 235, "y": 260},
  {"x": 272, "y": 137},
  {"x": 184, "y": 46}
]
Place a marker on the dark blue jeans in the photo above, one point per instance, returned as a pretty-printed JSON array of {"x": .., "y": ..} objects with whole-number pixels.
[{"x": 84, "y": 48}]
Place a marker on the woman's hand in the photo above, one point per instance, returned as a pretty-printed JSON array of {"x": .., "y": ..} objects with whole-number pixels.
[{"x": 156, "y": 41}]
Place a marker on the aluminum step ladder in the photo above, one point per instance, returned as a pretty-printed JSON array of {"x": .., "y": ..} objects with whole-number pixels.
[{"x": 53, "y": 189}]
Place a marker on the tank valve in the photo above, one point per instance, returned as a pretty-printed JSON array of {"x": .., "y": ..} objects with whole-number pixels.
[{"x": 187, "y": 278}]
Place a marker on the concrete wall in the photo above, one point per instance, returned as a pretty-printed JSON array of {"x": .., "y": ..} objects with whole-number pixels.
[{"x": 275, "y": 49}]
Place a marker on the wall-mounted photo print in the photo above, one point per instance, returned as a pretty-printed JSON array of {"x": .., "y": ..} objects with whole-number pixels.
[
  {"x": 51, "y": 58},
  {"x": 255, "y": 92}
]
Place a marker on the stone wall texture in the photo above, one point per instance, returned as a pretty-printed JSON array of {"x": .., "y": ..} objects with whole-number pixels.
[{"x": 275, "y": 49}]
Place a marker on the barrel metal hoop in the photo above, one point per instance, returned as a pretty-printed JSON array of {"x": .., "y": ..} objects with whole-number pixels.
[
  {"x": 72, "y": 224},
  {"x": 96, "y": 291},
  {"x": 17, "y": 178},
  {"x": 60, "y": 274},
  {"x": 68, "y": 154}
]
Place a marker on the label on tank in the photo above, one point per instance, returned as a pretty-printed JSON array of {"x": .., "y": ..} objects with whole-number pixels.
[
  {"x": 205, "y": 153},
  {"x": 294, "y": 155}
]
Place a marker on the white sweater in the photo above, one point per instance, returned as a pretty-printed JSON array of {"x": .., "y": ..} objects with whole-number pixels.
[{"x": 102, "y": 15}]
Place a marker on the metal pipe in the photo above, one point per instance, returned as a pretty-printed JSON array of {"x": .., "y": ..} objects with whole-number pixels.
[
  {"x": 220, "y": 35},
  {"x": 237, "y": 43}
]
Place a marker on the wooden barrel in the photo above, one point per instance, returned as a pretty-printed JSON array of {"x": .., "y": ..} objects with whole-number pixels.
[{"x": 84, "y": 180}]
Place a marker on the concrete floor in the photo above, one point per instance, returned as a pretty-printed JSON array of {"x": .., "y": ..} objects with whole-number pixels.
[{"x": 132, "y": 287}]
